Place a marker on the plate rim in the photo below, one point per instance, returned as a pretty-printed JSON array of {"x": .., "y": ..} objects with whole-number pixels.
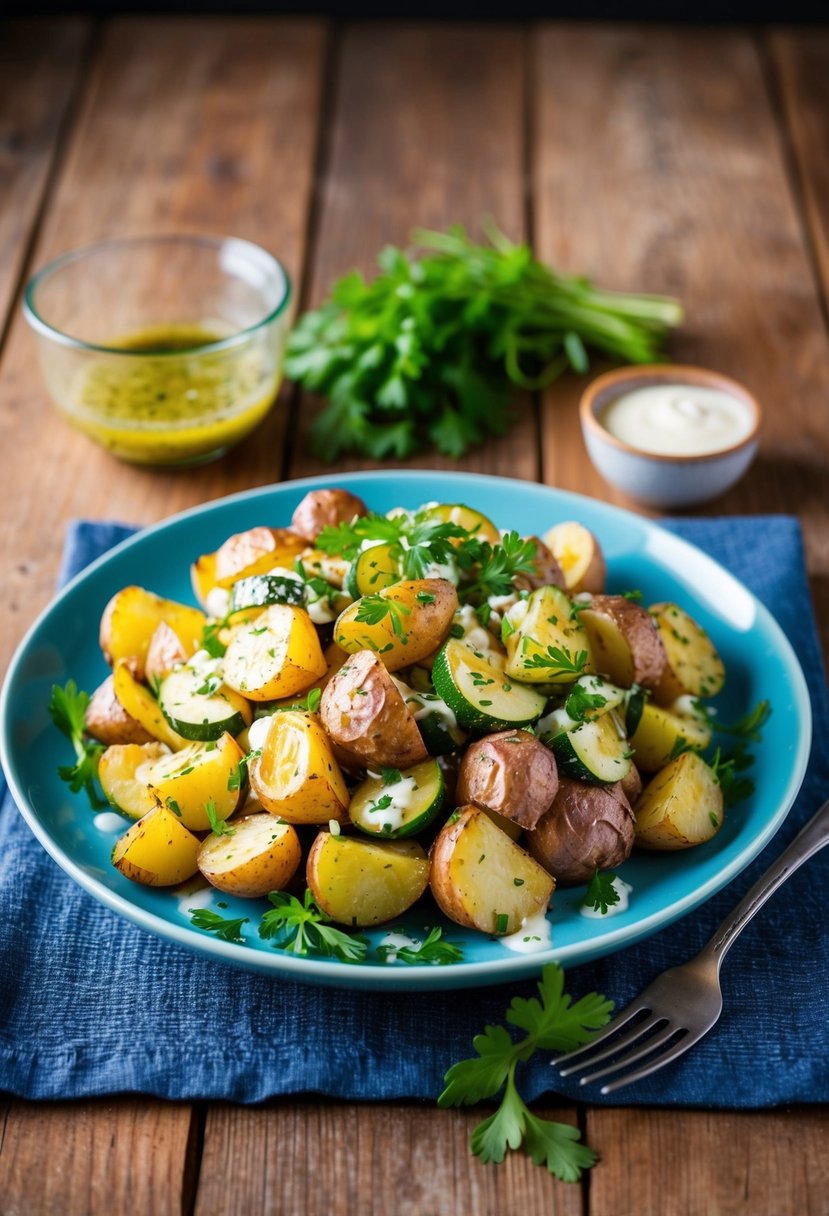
[{"x": 370, "y": 976}]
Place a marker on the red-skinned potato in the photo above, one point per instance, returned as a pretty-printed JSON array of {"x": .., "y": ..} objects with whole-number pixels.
[
  {"x": 547, "y": 570},
  {"x": 366, "y": 716},
  {"x": 511, "y": 773},
  {"x": 587, "y": 828},
  {"x": 325, "y": 508},
  {"x": 254, "y": 552},
  {"x": 107, "y": 721},
  {"x": 165, "y": 652},
  {"x": 624, "y": 642}
]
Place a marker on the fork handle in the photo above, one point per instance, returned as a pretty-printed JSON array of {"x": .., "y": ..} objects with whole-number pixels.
[{"x": 808, "y": 841}]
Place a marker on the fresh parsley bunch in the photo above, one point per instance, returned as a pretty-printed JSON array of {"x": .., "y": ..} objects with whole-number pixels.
[{"x": 428, "y": 352}]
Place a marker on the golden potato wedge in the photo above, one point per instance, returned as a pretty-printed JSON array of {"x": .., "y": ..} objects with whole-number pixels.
[
  {"x": 624, "y": 641},
  {"x": 325, "y": 508},
  {"x": 661, "y": 732},
  {"x": 119, "y": 772},
  {"x": 107, "y": 721},
  {"x": 362, "y": 883},
  {"x": 417, "y": 621},
  {"x": 203, "y": 578},
  {"x": 547, "y": 644},
  {"x": 579, "y": 556},
  {"x": 157, "y": 851},
  {"x": 511, "y": 773},
  {"x": 164, "y": 652},
  {"x": 366, "y": 716},
  {"x": 587, "y": 828},
  {"x": 692, "y": 663},
  {"x": 275, "y": 656},
  {"x": 297, "y": 777},
  {"x": 130, "y": 619},
  {"x": 254, "y": 552},
  {"x": 200, "y": 773},
  {"x": 681, "y": 807},
  {"x": 482, "y": 879},
  {"x": 141, "y": 705},
  {"x": 260, "y": 855}
]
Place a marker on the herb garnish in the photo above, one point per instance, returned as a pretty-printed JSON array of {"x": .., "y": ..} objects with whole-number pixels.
[
  {"x": 228, "y": 930},
  {"x": 558, "y": 660},
  {"x": 433, "y": 950},
  {"x": 601, "y": 893},
  {"x": 218, "y": 826},
  {"x": 303, "y": 928},
  {"x": 553, "y": 1023},
  {"x": 372, "y": 609},
  {"x": 67, "y": 708}
]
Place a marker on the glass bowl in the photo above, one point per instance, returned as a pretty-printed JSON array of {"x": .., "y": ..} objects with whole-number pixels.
[{"x": 166, "y": 350}]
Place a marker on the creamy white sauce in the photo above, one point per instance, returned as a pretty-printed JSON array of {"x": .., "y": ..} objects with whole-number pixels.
[
  {"x": 108, "y": 821},
  {"x": 401, "y": 794},
  {"x": 678, "y": 419},
  {"x": 422, "y": 704},
  {"x": 217, "y": 602},
  {"x": 258, "y": 732},
  {"x": 321, "y": 611},
  {"x": 204, "y": 664},
  {"x": 536, "y": 933},
  {"x": 516, "y": 614},
  {"x": 398, "y": 941},
  {"x": 623, "y": 890},
  {"x": 190, "y": 900},
  {"x": 477, "y": 638}
]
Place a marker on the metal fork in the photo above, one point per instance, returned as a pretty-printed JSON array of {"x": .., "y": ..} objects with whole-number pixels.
[{"x": 683, "y": 1003}]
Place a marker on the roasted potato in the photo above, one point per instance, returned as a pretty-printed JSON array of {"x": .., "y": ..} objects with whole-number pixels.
[
  {"x": 692, "y": 663},
  {"x": 130, "y": 619},
  {"x": 275, "y": 656},
  {"x": 631, "y": 784},
  {"x": 482, "y": 879},
  {"x": 120, "y": 772},
  {"x": 682, "y": 806},
  {"x": 547, "y": 644},
  {"x": 297, "y": 776},
  {"x": 511, "y": 773},
  {"x": 415, "y": 624},
  {"x": 164, "y": 652},
  {"x": 362, "y": 883},
  {"x": 199, "y": 774},
  {"x": 107, "y": 721},
  {"x": 157, "y": 851},
  {"x": 324, "y": 508},
  {"x": 661, "y": 732},
  {"x": 579, "y": 556},
  {"x": 366, "y": 716},
  {"x": 623, "y": 641},
  {"x": 547, "y": 573},
  {"x": 255, "y": 552},
  {"x": 587, "y": 828},
  {"x": 261, "y": 855}
]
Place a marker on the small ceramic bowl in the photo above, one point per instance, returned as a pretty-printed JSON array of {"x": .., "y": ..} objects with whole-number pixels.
[{"x": 653, "y": 479}]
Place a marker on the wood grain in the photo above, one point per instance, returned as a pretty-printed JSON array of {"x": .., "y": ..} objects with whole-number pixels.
[
  {"x": 678, "y": 1163},
  {"x": 39, "y": 68},
  {"x": 185, "y": 126},
  {"x": 372, "y": 1160},
  {"x": 658, "y": 167},
  {"x": 800, "y": 61},
  {"x": 94, "y": 1158},
  {"x": 427, "y": 130}
]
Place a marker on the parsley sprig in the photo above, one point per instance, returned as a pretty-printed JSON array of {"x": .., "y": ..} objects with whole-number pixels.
[
  {"x": 428, "y": 352},
  {"x": 220, "y": 926},
  {"x": 218, "y": 826},
  {"x": 556, "y": 660},
  {"x": 432, "y": 950},
  {"x": 372, "y": 609},
  {"x": 67, "y": 708},
  {"x": 553, "y": 1023},
  {"x": 601, "y": 893},
  {"x": 496, "y": 565},
  {"x": 417, "y": 540},
  {"x": 303, "y": 928}
]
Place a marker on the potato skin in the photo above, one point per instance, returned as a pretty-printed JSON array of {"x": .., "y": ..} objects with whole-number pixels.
[
  {"x": 631, "y": 784},
  {"x": 587, "y": 828},
  {"x": 325, "y": 508},
  {"x": 511, "y": 773},
  {"x": 261, "y": 856},
  {"x": 367, "y": 717},
  {"x": 164, "y": 653},
  {"x": 635, "y": 624},
  {"x": 254, "y": 551},
  {"x": 547, "y": 570},
  {"x": 579, "y": 555},
  {"x": 427, "y": 608},
  {"x": 107, "y": 721}
]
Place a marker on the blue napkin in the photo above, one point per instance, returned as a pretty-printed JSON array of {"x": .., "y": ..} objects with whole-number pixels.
[{"x": 90, "y": 1004}]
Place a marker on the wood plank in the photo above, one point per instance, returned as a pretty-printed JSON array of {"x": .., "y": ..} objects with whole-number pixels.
[
  {"x": 428, "y": 131},
  {"x": 95, "y": 1158},
  {"x": 659, "y": 168},
  {"x": 800, "y": 62},
  {"x": 672, "y": 1163},
  {"x": 315, "y": 1159},
  {"x": 39, "y": 68},
  {"x": 205, "y": 126}
]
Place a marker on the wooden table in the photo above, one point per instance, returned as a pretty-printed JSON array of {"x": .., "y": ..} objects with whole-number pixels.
[{"x": 680, "y": 160}]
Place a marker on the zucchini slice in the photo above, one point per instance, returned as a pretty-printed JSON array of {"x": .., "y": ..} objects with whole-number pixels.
[
  {"x": 199, "y": 706},
  {"x": 597, "y": 751},
  {"x": 372, "y": 570},
  {"x": 398, "y": 804},
  {"x": 480, "y": 696},
  {"x": 261, "y": 590}
]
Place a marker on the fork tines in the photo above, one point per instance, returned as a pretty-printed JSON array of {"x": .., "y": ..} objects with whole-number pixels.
[{"x": 643, "y": 1036}]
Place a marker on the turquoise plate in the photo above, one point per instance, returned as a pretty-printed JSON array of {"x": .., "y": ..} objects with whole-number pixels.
[{"x": 760, "y": 663}]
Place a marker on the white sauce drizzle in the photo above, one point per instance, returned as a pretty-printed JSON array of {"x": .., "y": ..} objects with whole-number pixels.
[
  {"x": 401, "y": 794},
  {"x": 108, "y": 821},
  {"x": 202, "y": 897},
  {"x": 398, "y": 941},
  {"x": 217, "y": 602},
  {"x": 623, "y": 890},
  {"x": 536, "y": 933},
  {"x": 678, "y": 419},
  {"x": 258, "y": 732}
]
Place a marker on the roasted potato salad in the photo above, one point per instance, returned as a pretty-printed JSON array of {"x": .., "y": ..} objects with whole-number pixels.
[{"x": 368, "y": 707}]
